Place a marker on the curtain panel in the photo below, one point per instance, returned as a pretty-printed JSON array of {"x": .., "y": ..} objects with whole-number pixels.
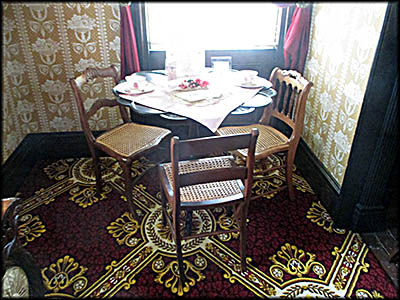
[
  {"x": 129, "y": 52},
  {"x": 297, "y": 39}
]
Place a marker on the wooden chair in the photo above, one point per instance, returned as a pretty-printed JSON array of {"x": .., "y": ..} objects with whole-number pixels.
[
  {"x": 21, "y": 276},
  {"x": 125, "y": 142},
  {"x": 189, "y": 184},
  {"x": 280, "y": 126}
]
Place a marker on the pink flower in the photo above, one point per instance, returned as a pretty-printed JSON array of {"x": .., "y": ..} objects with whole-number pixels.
[{"x": 204, "y": 83}]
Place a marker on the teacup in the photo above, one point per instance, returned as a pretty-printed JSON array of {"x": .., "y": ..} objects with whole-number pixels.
[
  {"x": 135, "y": 81},
  {"x": 248, "y": 76}
]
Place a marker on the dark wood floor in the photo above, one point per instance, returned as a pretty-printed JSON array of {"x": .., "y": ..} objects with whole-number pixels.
[
  {"x": 35, "y": 147},
  {"x": 385, "y": 244},
  {"x": 385, "y": 247}
]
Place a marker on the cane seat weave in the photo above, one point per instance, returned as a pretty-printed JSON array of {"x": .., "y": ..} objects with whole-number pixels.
[
  {"x": 130, "y": 138},
  {"x": 268, "y": 138},
  {"x": 206, "y": 191},
  {"x": 280, "y": 125}
]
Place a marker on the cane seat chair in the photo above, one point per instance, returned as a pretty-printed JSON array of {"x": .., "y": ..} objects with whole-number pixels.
[
  {"x": 125, "y": 142},
  {"x": 201, "y": 176},
  {"x": 280, "y": 126}
]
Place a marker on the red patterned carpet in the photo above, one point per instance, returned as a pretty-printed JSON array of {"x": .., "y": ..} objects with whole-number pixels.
[{"x": 90, "y": 247}]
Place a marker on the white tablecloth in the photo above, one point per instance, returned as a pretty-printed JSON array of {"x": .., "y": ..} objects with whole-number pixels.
[{"x": 210, "y": 113}]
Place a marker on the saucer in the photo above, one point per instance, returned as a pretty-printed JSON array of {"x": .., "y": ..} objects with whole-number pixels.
[
  {"x": 127, "y": 88},
  {"x": 259, "y": 82}
]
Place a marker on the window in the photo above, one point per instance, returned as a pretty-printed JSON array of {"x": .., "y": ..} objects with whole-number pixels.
[
  {"x": 213, "y": 26},
  {"x": 251, "y": 33}
]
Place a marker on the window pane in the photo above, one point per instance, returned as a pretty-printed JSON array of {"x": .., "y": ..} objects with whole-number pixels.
[{"x": 213, "y": 26}]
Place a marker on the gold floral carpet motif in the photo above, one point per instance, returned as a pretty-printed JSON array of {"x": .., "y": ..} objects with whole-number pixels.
[{"x": 89, "y": 246}]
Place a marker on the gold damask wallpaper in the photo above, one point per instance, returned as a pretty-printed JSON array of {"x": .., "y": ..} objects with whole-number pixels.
[
  {"x": 45, "y": 44},
  {"x": 343, "y": 42}
]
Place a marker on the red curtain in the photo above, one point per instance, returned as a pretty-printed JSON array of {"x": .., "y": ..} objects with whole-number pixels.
[
  {"x": 129, "y": 53},
  {"x": 297, "y": 39}
]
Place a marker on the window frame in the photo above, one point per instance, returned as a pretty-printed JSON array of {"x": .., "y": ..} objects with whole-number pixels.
[{"x": 262, "y": 60}]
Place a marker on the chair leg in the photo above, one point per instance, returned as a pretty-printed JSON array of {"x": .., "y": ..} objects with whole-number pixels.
[
  {"x": 189, "y": 217},
  {"x": 178, "y": 239},
  {"x": 243, "y": 234},
  {"x": 289, "y": 174},
  {"x": 180, "y": 262},
  {"x": 97, "y": 173},
  {"x": 128, "y": 185},
  {"x": 163, "y": 206},
  {"x": 229, "y": 211},
  {"x": 97, "y": 170}
]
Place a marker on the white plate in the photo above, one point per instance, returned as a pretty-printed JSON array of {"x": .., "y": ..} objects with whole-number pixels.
[
  {"x": 127, "y": 88},
  {"x": 259, "y": 82}
]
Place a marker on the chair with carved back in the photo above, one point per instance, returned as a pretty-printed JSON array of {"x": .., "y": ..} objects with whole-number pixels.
[
  {"x": 21, "y": 276},
  {"x": 125, "y": 142},
  {"x": 280, "y": 126},
  {"x": 201, "y": 176}
]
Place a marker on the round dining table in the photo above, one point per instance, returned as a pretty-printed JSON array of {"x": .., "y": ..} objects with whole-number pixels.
[{"x": 247, "y": 113}]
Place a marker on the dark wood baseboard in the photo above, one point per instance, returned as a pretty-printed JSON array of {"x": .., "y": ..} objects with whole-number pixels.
[
  {"x": 321, "y": 181},
  {"x": 364, "y": 218},
  {"x": 12, "y": 172},
  {"x": 38, "y": 146}
]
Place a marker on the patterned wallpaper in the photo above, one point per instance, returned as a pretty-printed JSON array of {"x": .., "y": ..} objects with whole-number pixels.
[
  {"x": 343, "y": 42},
  {"x": 45, "y": 44}
]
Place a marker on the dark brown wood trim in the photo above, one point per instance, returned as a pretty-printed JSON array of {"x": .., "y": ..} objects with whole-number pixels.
[
  {"x": 324, "y": 185},
  {"x": 38, "y": 146},
  {"x": 361, "y": 206}
]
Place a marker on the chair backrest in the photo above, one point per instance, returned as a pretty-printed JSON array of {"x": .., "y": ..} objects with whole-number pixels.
[
  {"x": 204, "y": 147},
  {"x": 77, "y": 85},
  {"x": 290, "y": 102}
]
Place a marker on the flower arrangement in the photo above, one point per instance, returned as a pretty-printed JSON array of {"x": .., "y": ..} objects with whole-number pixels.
[{"x": 192, "y": 84}]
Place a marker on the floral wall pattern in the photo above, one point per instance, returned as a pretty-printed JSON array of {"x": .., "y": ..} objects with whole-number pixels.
[
  {"x": 343, "y": 42},
  {"x": 45, "y": 44}
]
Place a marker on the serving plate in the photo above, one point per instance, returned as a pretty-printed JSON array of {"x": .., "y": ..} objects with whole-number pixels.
[
  {"x": 128, "y": 88},
  {"x": 259, "y": 82}
]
